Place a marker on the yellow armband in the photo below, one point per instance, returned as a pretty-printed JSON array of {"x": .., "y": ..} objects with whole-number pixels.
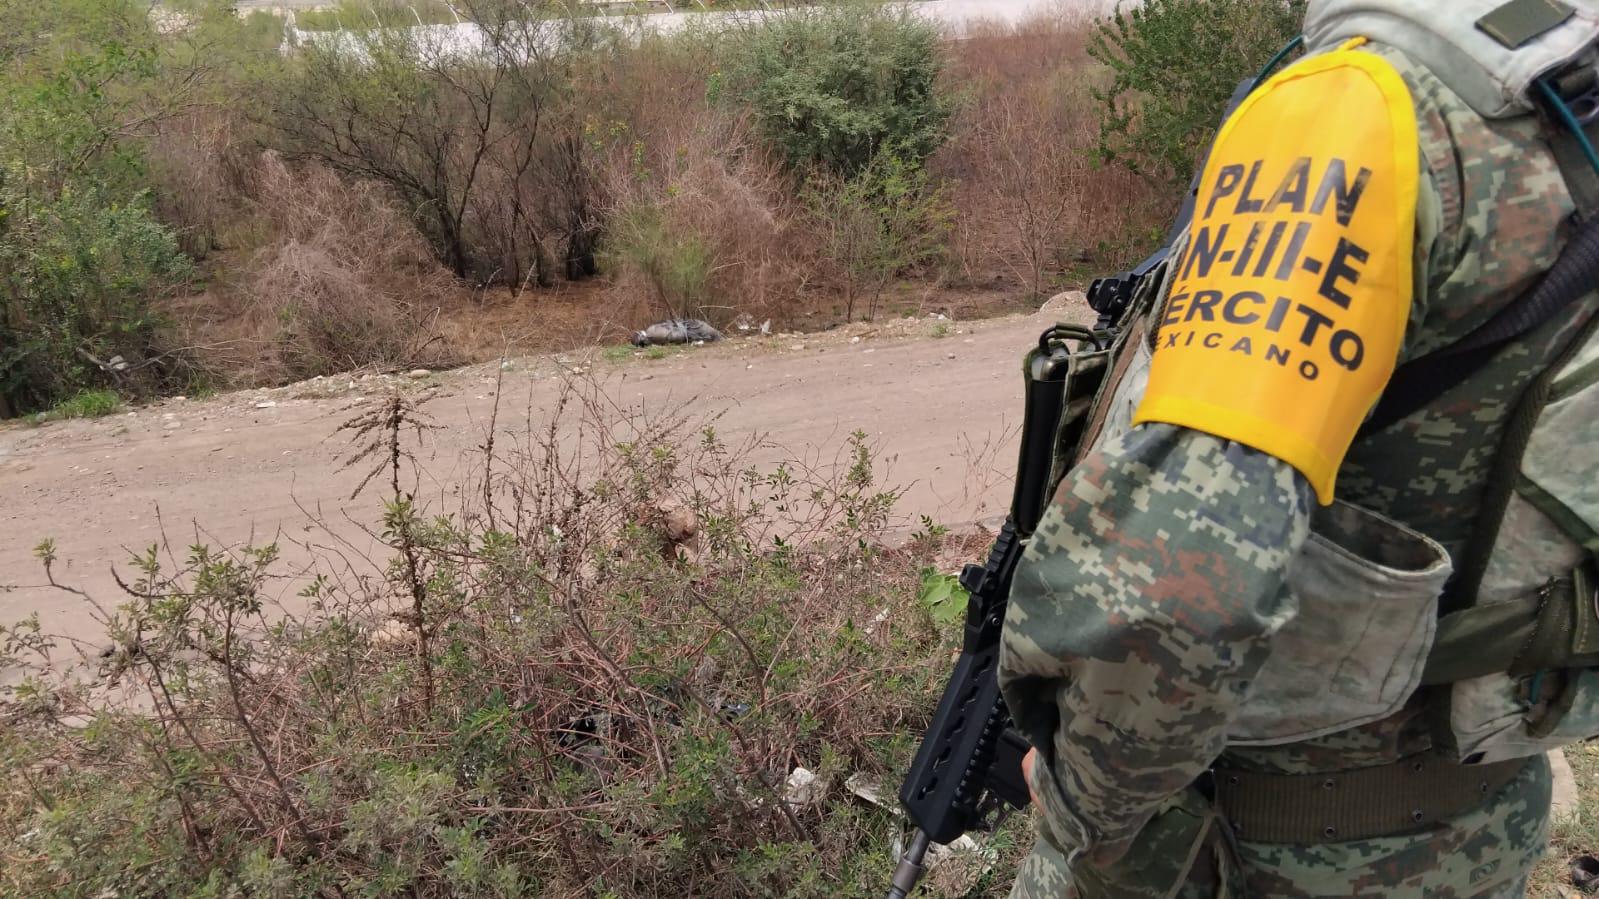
[{"x": 1289, "y": 302}]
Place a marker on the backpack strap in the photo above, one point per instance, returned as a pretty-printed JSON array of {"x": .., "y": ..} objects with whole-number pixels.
[
  {"x": 1420, "y": 381},
  {"x": 1571, "y": 106}
]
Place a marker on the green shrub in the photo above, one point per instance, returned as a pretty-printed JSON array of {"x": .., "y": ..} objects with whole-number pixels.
[
  {"x": 81, "y": 255},
  {"x": 1175, "y": 63},
  {"x": 834, "y": 86},
  {"x": 675, "y": 263},
  {"x": 887, "y": 221},
  {"x": 77, "y": 276},
  {"x": 548, "y": 696},
  {"x": 85, "y": 404}
]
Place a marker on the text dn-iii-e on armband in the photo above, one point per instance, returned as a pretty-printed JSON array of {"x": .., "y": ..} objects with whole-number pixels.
[{"x": 1289, "y": 302}]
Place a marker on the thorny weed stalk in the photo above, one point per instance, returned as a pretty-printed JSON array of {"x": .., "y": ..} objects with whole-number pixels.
[
  {"x": 592, "y": 676},
  {"x": 377, "y": 434}
]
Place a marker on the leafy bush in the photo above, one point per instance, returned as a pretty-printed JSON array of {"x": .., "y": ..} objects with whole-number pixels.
[
  {"x": 77, "y": 276},
  {"x": 676, "y": 263},
  {"x": 560, "y": 690},
  {"x": 81, "y": 256},
  {"x": 889, "y": 220},
  {"x": 1176, "y": 62},
  {"x": 834, "y": 86}
]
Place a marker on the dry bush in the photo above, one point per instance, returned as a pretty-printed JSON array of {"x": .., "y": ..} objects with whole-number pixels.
[
  {"x": 484, "y": 149},
  {"x": 701, "y": 219},
  {"x": 200, "y": 166},
  {"x": 888, "y": 221},
  {"x": 346, "y": 281},
  {"x": 1033, "y": 199},
  {"x": 703, "y": 226},
  {"x": 565, "y": 700}
]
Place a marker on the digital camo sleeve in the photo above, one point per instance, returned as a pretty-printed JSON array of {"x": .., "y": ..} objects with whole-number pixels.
[
  {"x": 1148, "y": 597},
  {"x": 1139, "y": 613}
]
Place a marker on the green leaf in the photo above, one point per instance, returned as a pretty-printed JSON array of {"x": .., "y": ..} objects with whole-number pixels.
[{"x": 942, "y": 595}]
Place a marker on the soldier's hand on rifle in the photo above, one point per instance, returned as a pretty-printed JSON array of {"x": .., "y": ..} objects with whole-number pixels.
[{"x": 1027, "y": 774}]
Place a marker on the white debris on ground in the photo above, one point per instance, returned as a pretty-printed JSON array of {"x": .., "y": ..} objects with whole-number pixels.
[
  {"x": 877, "y": 620},
  {"x": 392, "y": 634},
  {"x": 870, "y": 790},
  {"x": 804, "y": 787},
  {"x": 952, "y": 870}
]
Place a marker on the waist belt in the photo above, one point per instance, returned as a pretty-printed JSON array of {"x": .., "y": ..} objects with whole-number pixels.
[{"x": 1386, "y": 800}]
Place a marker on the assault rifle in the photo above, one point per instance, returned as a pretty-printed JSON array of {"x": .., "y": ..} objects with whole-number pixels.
[{"x": 969, "y": 764}]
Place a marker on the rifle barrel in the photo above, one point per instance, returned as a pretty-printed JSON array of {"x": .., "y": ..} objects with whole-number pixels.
[{"x": 909, "y": 872}]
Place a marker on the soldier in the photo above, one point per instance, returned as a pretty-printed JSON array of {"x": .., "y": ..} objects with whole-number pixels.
[{"x": 1236, "y": 685}]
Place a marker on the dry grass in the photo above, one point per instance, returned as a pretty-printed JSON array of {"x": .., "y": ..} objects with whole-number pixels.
[
  {"x": 702, "y": 226},
  {"x": 1575, "y": 834},
  {"x": 194, "y": 166},
  {"x": 701, "y": 219},
  {"x": 345, "y": 281},
  {"x": 313, "y": 272}
]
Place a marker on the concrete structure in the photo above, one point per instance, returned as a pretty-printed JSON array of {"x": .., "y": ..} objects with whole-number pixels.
[{"x": 465, "y": 38}]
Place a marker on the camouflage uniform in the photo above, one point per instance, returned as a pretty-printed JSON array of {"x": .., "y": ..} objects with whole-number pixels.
[{"x": 1148, "y": 598}]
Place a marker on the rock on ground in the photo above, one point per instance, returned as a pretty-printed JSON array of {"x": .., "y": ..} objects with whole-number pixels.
[{"x": 1565, "y": 800}]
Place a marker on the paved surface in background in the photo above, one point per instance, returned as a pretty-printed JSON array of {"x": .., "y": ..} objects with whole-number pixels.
[{"x": 953, "y": 12}]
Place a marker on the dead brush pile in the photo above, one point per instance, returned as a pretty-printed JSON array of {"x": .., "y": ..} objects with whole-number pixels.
[
  {"x": 346, "y": 281},
  {"x": 593, "y": 678}
]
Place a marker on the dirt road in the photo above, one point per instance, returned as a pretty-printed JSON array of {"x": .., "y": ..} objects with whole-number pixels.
[{"x": 941, "y": 399}]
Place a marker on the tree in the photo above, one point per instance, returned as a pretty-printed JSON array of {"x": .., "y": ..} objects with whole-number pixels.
[
  {"x": 835, "y": 86},
  {"x": 477, "y": 141},
  {"x": 1175, "y": 63}
]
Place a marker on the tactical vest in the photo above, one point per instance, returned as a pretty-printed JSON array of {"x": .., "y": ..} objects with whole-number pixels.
[{"x": 1508, "y": 634}]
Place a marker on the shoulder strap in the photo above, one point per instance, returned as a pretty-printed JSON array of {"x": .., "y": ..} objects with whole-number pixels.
[{"x": 1573, "y": 276}]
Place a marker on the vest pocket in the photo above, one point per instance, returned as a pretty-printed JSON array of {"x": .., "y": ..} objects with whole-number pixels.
[{"x": 1366, "y": 589}]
